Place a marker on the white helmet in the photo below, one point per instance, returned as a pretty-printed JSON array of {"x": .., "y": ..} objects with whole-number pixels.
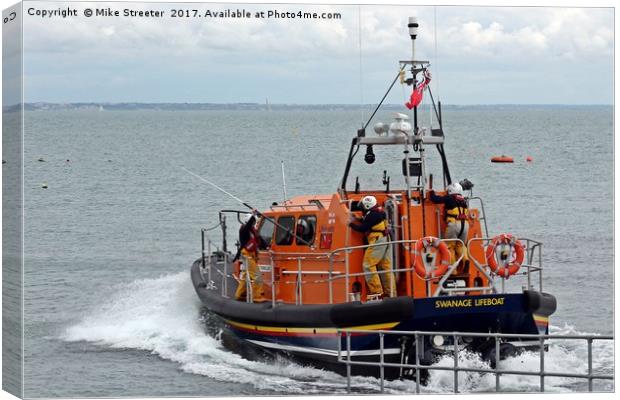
[
  {"x": 368, "y": 202},
  {"x": 302, "y": 227},
  {"x": 245, "y": 218},
  {"x": 455, "y": 188}
]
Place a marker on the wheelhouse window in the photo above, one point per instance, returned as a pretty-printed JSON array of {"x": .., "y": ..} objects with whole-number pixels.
[
  {"x": 306, "y": 230},
  {"x": 265, "y": 233},
  {"x": 284, "y": 231}
]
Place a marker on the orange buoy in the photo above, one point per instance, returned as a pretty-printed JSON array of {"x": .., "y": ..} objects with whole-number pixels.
[
  {"x": 502, "y": 159},
  {"x": 529, "y": 159}
]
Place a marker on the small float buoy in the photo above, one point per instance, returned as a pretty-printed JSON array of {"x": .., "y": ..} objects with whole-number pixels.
[
  {"x": 41, "y": 159},
  {"x": 44, "y": 185},
  {"x": 67, "y": 160},
  {"x": 502, "y": 159},
  {"x": 529, "y": 159}
]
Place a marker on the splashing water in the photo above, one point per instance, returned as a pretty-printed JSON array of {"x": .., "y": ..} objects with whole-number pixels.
[
  {"x": 564, "y": 356},
  {"x": 162, "y": 316}
]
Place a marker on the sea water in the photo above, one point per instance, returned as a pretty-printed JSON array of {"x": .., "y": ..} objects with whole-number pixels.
[{"x": 109, "y": 306}]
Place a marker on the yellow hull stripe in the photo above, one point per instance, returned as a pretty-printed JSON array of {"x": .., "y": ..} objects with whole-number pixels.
[
  {"x": 281, "y": 329},
  {"x": 540, "y": 318}
]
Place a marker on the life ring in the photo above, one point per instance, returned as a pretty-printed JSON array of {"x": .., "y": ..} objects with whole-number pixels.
[
  {"x": 515, "y": 264},
  {"x": 444, "y": 254}
]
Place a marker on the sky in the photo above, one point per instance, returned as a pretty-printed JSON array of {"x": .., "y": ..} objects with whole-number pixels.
[{"x": 480, "y": 55}]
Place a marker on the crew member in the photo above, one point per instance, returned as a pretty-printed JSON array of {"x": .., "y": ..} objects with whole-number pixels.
[
  {"x": 374, "y": 225},
  {"x": 248, "y": 252},
  {"x": 457, "y": 226}
]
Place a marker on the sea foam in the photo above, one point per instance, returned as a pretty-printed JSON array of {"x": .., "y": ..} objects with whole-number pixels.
[{"x": 163, "y": 316}]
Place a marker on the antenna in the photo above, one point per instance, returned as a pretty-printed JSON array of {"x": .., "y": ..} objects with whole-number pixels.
[
  {"x": 436, "y": 60},
  {"x": 359, "y": 26},
  {"x": 283, "y": 181},
  {"x": 413, "y": 33}
]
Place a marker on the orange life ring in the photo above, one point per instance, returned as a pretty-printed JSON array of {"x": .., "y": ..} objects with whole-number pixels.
[
  {"x": 514, "y": 265},
  {"x": 444, "y": 254}
]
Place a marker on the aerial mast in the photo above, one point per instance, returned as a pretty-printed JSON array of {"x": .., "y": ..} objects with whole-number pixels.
[{"x": 413, "y": 33}]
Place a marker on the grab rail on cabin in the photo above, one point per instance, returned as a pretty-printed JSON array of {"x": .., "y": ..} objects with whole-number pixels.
[
  {"x": 532, "y": 263},
  {"x": 302, "y": 207},
  {"x": 484, "y": 216},
  {"x": 344, "y": 356}
]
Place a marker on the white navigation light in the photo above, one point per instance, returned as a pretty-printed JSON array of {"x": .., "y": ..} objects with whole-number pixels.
[
  {"x": 413, "y": 27},
  {"x": 401, "y": 126},
  {"x": 381, "y": 128}
]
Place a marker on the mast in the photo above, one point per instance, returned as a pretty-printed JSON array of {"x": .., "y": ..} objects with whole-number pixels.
[
  {"x": 414, "y": 140},
  {"x": 413, "y": 33}
]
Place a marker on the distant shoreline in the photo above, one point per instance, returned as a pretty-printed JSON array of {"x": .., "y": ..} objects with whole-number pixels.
[{"x": 44, "y": 106}]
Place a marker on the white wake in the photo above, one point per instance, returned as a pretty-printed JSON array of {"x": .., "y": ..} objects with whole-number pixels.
[{"x": 162, "y": 316}]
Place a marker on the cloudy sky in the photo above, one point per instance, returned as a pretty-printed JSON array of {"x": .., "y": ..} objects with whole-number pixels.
[{"x": 484, "y": 55}]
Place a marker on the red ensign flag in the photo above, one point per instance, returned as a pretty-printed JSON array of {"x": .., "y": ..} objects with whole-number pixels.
[{"x": 418, "y": 93}]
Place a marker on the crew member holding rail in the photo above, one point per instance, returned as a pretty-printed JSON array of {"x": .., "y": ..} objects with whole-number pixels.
[
  {"x": 457, "y": 226},
  {"x": 248, "y": 252},
  {"x": 374, "y": 225}
]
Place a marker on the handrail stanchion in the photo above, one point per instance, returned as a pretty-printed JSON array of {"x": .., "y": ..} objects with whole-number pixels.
[
  {"x": 210, "y": 261},
  {"x": 496, "y": 363},
  {"x": 529, "y": 280},
  {"x": 381, "y": 361},
  {"x": 540, "y": 271},
  {"x": 542, "y": 364},
  {"x": 225, "y": 276},
  {"x": 417, "y": 363},
  {"x": 273, "y": 282},
  {"x": 589, "y": 364},
  {"x": 339, "y": 333},
  {"x": 299, "y": 282},
  {"x": 202, "y": 243},
  {"x": 346, "y": 276},
  {"x": 347, "y": 243},
  {"x": 330, "y": 284},
  {"x": 348, "y": 362},
  {"x": 530, "y": 262},
  {"x": 456, "y": 364}
]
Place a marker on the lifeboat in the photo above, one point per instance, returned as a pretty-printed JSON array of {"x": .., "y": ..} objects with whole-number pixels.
[
  {"x": 502, "y": 159},
  {"x": 310, "y": 264}
]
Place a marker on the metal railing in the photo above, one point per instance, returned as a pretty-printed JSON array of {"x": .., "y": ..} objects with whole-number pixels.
[
  {"x": 344, "y": 356},
  {"x": 532, "y": 264},
  {"x": 482, "y": 217}
]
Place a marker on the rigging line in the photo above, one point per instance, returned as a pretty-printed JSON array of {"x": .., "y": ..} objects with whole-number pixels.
[
  {"x": 434, "y": 107},
  {"x": 273, "y": 221},
  {"x": 436, "y": 57},
  {"x": 359, "y": 32},
  {"x": 218, "y": 188},
  {"x": 402, "y": 68}
]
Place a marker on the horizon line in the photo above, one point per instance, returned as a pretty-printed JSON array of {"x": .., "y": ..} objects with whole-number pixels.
[{"x": 298, "y": 104}]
